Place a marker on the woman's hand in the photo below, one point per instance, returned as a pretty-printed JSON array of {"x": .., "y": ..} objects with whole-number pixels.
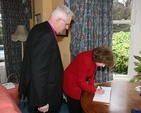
[
  {"x": 44, "y": 108},
  {"x": 99, "y": 91}
]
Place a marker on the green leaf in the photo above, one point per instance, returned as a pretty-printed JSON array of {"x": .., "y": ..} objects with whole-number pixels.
[
  {"x": 132, "y": 80},
  {"x": 137, "y": 57}
]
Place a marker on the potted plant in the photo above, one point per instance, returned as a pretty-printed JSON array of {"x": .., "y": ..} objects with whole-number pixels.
[{"x": 137, "y": 77}]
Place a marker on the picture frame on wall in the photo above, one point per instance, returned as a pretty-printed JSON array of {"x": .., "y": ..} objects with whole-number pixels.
[
  {"x": 37, "y": 18},
  {"x": 64, "y": 33}
]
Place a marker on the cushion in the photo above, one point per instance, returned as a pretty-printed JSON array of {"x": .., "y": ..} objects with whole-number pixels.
[
  {"x": 7, "y": 105},
  {"x": 15, "y": 94}
]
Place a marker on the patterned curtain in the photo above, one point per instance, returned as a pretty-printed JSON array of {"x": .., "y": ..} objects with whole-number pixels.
[
  {"x": 13, "y": 12},
  {"x": 91, "y": 28}
]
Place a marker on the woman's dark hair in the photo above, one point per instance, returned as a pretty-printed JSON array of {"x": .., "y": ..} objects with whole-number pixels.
[{"x": 103, "y": 55}]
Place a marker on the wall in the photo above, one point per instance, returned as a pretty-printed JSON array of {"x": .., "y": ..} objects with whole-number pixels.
[
  {"x": 45, "y": 7},
  {"x": 32, "y": 19},
  {"x": 64, "y": 42}
]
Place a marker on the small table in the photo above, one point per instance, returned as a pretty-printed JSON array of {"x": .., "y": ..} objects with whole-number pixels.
[{"x": 123, "y": 98}]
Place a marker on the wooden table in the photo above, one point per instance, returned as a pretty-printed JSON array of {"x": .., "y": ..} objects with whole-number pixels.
[{"x": 123, "y": 98}]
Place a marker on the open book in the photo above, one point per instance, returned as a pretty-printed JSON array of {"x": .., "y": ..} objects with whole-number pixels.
[{"x": 105, "y": 98}]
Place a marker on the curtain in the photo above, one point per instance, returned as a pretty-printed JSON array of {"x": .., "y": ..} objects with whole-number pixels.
[
  {"x": 13, "y": 13},
  {"x": 91, "y": 28}
]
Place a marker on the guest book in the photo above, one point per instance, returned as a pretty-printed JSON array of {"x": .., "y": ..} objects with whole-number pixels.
[{"x": 105, "y": 98}]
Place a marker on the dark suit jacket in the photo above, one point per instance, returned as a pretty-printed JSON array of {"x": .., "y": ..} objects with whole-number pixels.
[{"x": 42, "y": 70}]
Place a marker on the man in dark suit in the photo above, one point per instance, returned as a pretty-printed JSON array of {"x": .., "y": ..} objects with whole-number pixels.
[{"x": 42, "y": 70}]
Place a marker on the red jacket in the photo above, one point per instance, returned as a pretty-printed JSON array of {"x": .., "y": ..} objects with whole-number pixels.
[{"x": 75, "y": 75}]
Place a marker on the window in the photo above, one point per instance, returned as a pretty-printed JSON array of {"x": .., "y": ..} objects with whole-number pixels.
[
  {"x": 135, "y": 35},
  {"x": 121, "y": 36}
]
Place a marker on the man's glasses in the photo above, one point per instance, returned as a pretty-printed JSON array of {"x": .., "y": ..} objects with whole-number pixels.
[{"x": 67, "y": 24}]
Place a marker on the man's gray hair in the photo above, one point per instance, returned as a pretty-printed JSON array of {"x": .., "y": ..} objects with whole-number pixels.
[{"x": 62, "y": 10}]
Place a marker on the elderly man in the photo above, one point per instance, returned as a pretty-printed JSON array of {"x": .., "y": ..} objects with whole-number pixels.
[{"x": 42, "y": 70}]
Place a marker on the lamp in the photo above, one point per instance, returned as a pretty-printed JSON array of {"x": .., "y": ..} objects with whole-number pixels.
[{"x": 20, "y": 35}]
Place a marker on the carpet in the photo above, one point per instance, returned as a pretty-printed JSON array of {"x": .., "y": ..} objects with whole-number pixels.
[{"x": 24, "y": 107}]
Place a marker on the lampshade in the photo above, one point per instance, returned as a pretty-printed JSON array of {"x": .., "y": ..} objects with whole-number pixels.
[{"x": 20, "y": 34}]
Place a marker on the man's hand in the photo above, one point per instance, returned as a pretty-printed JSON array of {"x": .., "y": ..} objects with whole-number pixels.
[
  {"x": 44, "y": 108},
  {"x": 99, "y": 91}
]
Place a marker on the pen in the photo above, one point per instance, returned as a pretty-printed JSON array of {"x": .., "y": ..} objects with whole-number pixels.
[{"x": 100, "y": 87}]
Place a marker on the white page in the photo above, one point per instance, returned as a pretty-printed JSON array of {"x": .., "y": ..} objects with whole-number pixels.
[{"x": 104, "y": 97}]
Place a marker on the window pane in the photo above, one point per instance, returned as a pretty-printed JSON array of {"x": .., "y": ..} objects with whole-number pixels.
[
  {"x": 122, "y": 9},
  {"x": 121, "y": 27}
]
